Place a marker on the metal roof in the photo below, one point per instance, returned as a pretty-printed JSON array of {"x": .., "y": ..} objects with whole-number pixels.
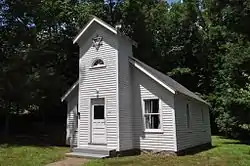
[{"x": 168, "y": 81}]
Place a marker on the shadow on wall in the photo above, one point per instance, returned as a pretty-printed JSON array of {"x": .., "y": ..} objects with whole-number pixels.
[{"x": 138, "y": 117}]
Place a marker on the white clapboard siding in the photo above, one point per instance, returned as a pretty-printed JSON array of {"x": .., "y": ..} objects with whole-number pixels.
[
  {"x": 199, "y": 131},
  {"x": 146, "y": 88},
  {"x": 71, "y": 132},
  {"x": 125, "y": 109},
  {"x": 103, "y": 80}
]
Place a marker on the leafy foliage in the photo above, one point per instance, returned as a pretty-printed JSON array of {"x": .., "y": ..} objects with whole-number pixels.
[{"x": 203, "y": 44}]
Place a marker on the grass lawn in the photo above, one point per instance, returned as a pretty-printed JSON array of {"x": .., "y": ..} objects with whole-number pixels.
[
  {"x": 225, "y": 153},
  {"x": 30, "y": 155}
]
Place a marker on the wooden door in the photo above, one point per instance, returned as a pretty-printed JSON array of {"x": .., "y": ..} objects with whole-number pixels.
[{"x": 98, "y": 124}]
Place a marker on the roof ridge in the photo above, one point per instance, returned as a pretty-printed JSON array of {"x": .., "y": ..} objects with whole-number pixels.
[{"x": 104, "y": 24}]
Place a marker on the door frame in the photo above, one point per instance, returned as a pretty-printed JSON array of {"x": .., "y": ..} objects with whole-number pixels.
[{"x": 91, "y": 118}]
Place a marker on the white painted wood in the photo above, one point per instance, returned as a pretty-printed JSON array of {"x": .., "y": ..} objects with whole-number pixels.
[
  {"x": 144, "y": 87},
  {"x": 71, "y": 124},
  {"x": 94, "y": 19},
  {"x": 74, "y": 86},
  {"x": 125, "y": 108},
  {"x": 124, "y": 83},
  {"x": 86, "y": 155},
  {"x": 199, "y": 131},
  {"x": 117, "y": 99},
  {"x": 98, "y": 126},
  {"x": 98, "y": 82},
  {"x": 137, "y": 65},
  {"x": 165, "y": 80}
]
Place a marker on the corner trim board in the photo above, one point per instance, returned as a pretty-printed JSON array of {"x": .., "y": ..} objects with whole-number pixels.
[{"x": 117, "y": 97}]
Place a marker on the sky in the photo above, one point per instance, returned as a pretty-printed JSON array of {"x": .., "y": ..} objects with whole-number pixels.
[
  {"x": 169, "y": 1},
  {"x": 172, "y": 1}
]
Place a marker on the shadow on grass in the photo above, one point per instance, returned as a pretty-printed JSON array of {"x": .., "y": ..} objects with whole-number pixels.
[
  {"x": 239, "y": 142},
  {"x": 232, "y": 141},
  {"x": 47, "y": 136},
  {"x": 32, "y": 140},
  {"x": 196, "y": 150}
]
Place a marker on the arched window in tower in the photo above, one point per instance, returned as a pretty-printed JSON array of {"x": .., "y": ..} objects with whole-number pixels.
[{"x": 98, "y": 63}]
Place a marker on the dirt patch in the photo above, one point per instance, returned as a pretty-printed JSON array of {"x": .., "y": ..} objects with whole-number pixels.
[{"x": 69, "y": 161}]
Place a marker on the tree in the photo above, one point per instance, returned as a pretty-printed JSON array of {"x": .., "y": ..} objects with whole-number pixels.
[
  {"x": 203, "y": 44},
  {"x": 37, "y": 54}
]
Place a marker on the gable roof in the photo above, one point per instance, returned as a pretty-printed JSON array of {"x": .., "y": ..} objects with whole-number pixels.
[
  {"x": 75, "y": 85},
  {"x": 166, "y": 81},
  {"x": 97, "y": 20}
]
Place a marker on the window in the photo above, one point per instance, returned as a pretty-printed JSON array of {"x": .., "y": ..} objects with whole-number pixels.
[
  {"x": 202, "y": 115},
  {"x": 77, "y": 116},
  {"x": 152, "y": 114},
  {"x": 188, "y": 115},
  {"x": 98, "y": 111},
  {"x": 98, "y": 63}
]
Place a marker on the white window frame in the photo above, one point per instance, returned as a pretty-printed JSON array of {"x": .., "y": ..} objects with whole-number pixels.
[
  {"x": 97, "y": 66},
  {"x": 159, "y": 113}
]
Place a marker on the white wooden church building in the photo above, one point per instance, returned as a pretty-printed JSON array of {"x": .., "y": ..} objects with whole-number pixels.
[{"x": 120, "y": 104}]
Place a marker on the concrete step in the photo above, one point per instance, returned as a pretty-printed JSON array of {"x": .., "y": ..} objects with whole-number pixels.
[
  {"x": 93, "y": 150},
  {"x": 85, "y": 155}
]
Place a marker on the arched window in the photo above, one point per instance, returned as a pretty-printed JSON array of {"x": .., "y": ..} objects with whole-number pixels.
[{"x": 98, "y": 63}]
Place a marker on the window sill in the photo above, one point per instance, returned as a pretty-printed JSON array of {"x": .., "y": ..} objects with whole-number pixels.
[
  {"x": 97, "y": 67},
  {"x": 153, "y": 131}
]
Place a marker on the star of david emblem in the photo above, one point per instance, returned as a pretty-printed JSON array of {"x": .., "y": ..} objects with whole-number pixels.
[{"x": 97, "y": 42}]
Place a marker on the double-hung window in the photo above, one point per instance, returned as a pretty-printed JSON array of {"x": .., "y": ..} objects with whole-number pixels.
[
  {"x": 152, "y": 114},
  {"x": 188, "y": 116},
  {"x": 202, "y": 115}
]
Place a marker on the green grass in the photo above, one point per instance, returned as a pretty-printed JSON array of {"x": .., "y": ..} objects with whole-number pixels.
[
  {"x": 30, "y": 155},
  {"x": 225, "y": 153}
]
